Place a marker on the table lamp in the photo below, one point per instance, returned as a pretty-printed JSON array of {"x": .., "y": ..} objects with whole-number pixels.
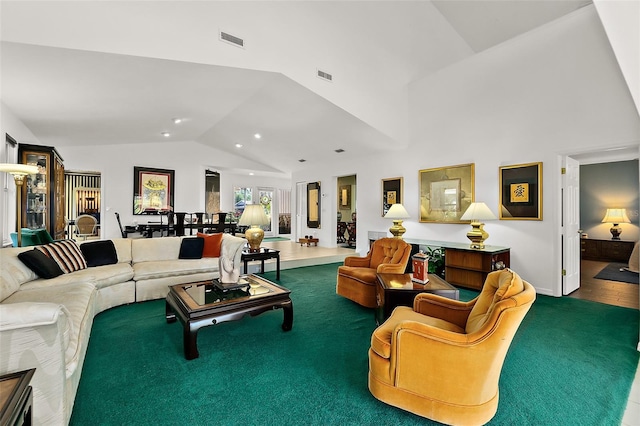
[
  {"x": 476, "y": 213},
  {"x": 254, "y": 217},
  {"x": 616, "y": 217},
  {"x": 397, "y": 212},
  {"x": 19, "y": 171}
]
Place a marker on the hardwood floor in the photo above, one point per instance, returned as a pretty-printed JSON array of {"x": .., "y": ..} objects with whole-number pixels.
[{"x": 604, "y": 291}]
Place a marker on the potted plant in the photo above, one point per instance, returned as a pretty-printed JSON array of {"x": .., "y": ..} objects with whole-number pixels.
[{"x": 436, "y": 260}]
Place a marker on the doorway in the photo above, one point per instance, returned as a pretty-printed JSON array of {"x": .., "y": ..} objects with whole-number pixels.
[
  {"x": 346, "y": 216},
  {"x": 84, "y": 197},
  {"x": 607, "y": 179}
]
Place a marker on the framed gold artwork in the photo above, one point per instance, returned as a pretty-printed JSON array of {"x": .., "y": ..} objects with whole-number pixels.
[
  {"x": 345, "y": 197},
  {"x": 446, "y": 193},
  {"x": 521, "y": 192}
]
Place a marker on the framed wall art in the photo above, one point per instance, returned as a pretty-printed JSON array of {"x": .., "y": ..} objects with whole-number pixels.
[
  {"x": 345, "y": 197},
  {"x": 313, "y": 205},
  {"x": 521, "y": 192},
  {"x": 446, "y": 193},
  {"x": 391, "y": 193},
  {"x": 152, "y": 190}
]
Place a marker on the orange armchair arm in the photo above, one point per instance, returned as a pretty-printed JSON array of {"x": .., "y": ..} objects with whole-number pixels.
[
  {"x": 391, "y": 268},
  {"x": 453, "y": 311},
  {"x": 358, "y": 262}
]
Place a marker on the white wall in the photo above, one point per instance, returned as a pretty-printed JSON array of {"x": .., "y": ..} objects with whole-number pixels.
[
  {"x": 189, "y": 160},
  {"x": 550, "y": 92}
]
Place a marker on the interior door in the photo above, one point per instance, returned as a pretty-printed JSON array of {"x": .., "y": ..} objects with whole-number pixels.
[{"x": 571, "y": 225}]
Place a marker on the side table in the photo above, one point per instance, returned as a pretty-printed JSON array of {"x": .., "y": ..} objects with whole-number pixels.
[
  {"x": 262, "y": 255},
  {"x": 309, "y": 241},
  {"x": 394, "y": 290},
  {"x": 16, "y": 398}
]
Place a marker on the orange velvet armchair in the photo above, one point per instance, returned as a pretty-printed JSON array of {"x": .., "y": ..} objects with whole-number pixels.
[
  {"x": 443, "y": 358},
  {"x": 357, "y": 277}
]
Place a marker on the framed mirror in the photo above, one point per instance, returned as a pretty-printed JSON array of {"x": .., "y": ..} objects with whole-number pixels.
[{"x": 313, "y": 205}]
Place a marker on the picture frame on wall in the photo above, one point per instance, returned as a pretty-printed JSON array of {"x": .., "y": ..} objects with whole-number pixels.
[
  {"x": 446, "y": 193},
  {"x": 391, "y": 193},
  {"x": 152, "y": 190},
  {"x": 521, "y": 191},
  {"x": 345, "y": 197}
]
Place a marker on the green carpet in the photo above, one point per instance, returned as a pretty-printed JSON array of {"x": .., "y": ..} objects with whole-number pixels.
[
  {"x": 276, "y": 239},
  {"x": 571, "y": 363}
]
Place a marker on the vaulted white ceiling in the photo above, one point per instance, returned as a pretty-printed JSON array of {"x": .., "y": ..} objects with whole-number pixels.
[{"x": 92, "y": 72}]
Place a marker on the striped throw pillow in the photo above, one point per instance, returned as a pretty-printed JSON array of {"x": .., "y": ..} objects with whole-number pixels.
[{"x": 67, "y": 255}]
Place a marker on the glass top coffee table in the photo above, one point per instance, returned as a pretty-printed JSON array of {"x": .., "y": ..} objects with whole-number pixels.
[{"x": 204, "y": 303}]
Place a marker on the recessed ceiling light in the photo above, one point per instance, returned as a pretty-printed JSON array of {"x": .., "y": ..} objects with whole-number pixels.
[
  {"x": 165, "y": 134},
  {"x": 177, "y": 120},
  {"x": 251, "y": 174},
  {"x": 238, "y": 145},
  {"x": 257, "y": 136}
]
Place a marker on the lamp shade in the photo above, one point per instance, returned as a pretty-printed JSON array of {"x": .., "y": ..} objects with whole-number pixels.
[
  {"x": 397, "y": 211},
  {"x": 18, "y": 169},
  {"x": 253, "y": 214},
  {"x": 616, "y": 216},
  {"x": 478, "y": 212}
]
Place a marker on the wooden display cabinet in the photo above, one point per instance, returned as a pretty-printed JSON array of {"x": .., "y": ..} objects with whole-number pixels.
[
  {"x": 467, "y": 267},
  {"x": 43, "y": 196},
  {"x": 606, "y": 250}
]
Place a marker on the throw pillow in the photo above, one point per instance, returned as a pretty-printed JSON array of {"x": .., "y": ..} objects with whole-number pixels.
[
  {"x": 67, "y": 255},
  {"x": 40, "y": 263},
  {"x": 212, "y": 244},
  {"x": 191, "y": 248},
  {"x": 98, "y": 253}
]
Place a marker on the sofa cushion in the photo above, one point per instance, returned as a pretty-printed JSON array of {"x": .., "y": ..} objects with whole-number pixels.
[
  {"x": 40, "y": 263},
  {"x": 152, "y": 249},
  {"x": 67, "y": 255},
  {"x": 212, "y": 244},
  {"x": 172, "y": 268},
  {"x": 99, "y": 253},
  {"x": 191, "y": 248}
]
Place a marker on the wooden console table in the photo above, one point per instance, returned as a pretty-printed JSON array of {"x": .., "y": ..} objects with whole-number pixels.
[
  {"x": 464, "y": 266},
  {"x": 606, "y": 250},
  {"x": 16, "y": 398}
]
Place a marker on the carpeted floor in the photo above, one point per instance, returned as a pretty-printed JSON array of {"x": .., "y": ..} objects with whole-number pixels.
[
  {"x": 572, "y": 362},
  {"x": 613, "y": 272}
]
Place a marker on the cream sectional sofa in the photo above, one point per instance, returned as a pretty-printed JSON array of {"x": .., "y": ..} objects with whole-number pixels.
[{"x": 46, "y": 323}]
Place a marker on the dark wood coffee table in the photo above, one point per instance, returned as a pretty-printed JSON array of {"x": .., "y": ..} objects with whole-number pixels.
[
  {"x": 398, "y": 290},
  {"x": 201, "y": 304}
]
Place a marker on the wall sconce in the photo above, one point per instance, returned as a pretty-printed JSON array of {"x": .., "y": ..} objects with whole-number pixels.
[
  {"x": 476, "y": 213},
  {"x": 616, "y": 216},
  {"x": 397, "y": 212}
]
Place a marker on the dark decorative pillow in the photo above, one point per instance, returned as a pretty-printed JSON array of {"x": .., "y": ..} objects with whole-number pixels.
[
  {"x": 67, "y": 255},
  {"x": 98, "y": 253},
  {"x": 191, "y": 248},
  {"x": 40, "y": 263}
]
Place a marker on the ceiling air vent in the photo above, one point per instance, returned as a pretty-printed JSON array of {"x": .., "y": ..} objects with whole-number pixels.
[
  {"x": 339, "y": 150},
  {"x": 325, "y": 75},
  {"x": 302, "y": 160},
  {"x": 236, "y": 41}
]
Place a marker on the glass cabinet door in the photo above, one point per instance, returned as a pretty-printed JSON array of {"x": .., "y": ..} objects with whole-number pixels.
[{"x": 37, "y": 191}]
